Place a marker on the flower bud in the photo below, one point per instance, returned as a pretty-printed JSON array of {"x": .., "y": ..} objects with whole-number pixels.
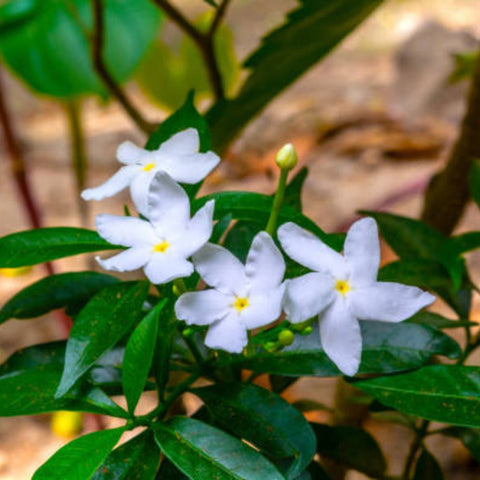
[
  {"x": 286, "y": 337},
  {"x": 286, "y": 157},
  {"x": 188, "y": 332},
  {"x": 270, "y": 346},
  {"x": 66, "y": 424},
  {"x": 306, "y": 331}
]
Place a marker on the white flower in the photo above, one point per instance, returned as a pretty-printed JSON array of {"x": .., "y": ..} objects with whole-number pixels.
[
  {"x": 242, "y": 297},
  {"x": 178, "y": 157},
  {"x": 162, "y": 245},
  {"x": 344, "y": 289}
]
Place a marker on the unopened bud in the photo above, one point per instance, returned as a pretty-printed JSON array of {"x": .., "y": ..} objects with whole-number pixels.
[
  {"x": 306, "y": 331},
  {"x": 188, "y": 332},
  {"x": 286, "y": 337},
  {"x": 287, "y": 157},
  {"x": 66, "y": 424},
  {"x": 270, "y": 346}
]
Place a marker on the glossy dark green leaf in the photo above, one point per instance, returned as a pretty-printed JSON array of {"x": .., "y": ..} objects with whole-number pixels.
[
  {"x": 424, "y": 273},
  {"x": 412, "y": 239},
  {"x": 309, "y": 33},
  {"x": 106, "y": 318},
  {"x": 136, "y": 459},
  {"x": 256, "y": 207},
  {"x": 29, "y": 379},
  {"x": 387, "y": 348},
  {"x": 439, "y": 321},
  {"x": 169, "y": 471},
  {"x": 31, "y": 49},
  {"x": 45, "y": 244},
  {"x": 470, "y": 437},
  {"x": 465, "y": 242},
  {"x": 352, "y": 447},
  {"x": 264, "y": 419},
  {"x": 427, "y": 467},
  {"x": 443, "y": 393},
  {"x": 202, "y": 451},
  {"x": 70, "y": 290},
  {"x": 79, "y": 459},
  {"x": 139, "y": 355},
  {"x": 474, "y": 176}
]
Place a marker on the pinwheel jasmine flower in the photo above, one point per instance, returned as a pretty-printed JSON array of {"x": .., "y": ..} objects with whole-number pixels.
[
  {"x": 243, "y": 297},
  {"x": 161, "y": 245},
  {"x": 178, "y": 157},
  {"x": 342, "y": 290}
]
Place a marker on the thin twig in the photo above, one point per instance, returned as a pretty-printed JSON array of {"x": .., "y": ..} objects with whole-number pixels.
[
  {"x": 204, "y": 41},
  {"x": 102, "y": 70},
  {"x": 416, "y": 445}
]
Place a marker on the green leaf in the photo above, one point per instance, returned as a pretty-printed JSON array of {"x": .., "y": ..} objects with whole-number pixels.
[
  {"x": 464, "y": 66},
  {"x": 256, "y": 207},
  {"x": 135, "y": 460},
  {"x": 45, "y": 244},
  {"x": 202, "y": 451},
  {"x": 168, "y": 471},
  {"x": 29, "y": 379},
  {"x": 474, "y": 177},
  {"x": 106, "y": 318},
  {"x": 264, "y": 419},
  {"x": 31, "y": 49},
  {"x": 183, "y": 69},
  {"x": 412, "y": 239},
  {"x": 443, "y": 393},
  {"x": 309, "y": 33},
  {"x": 15, "y": 14},
  {"x": 387, "y": 348},
  {"x": 465, "y": 242},
  {"x": 470, "y": 437},
  {"x": 79, "y": 459},
  {"x": 139, "y": 355},
  {"x": 293, "y": 192},
  {"x": 70, "y": 290},
  {"x": 435, "y": 320},
  {"x": 352, "y": 447},
  {"x": 427, "y": 467}
]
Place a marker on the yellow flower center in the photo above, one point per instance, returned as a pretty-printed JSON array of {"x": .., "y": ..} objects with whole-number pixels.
[
  {"x": 241, "y": 303},
  {"x": 342, "y": 286},
  {"x": 161, "y": 247},
  {"x": 148, "y": 167}
]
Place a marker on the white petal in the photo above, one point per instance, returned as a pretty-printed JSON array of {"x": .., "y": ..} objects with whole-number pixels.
[
  {"x": 190, "y": 168},
  {"x": 309, "y": 251},
  {"x": 265, "y": 266},
  {"x": 127, "y": 260},
  {"x": 182, "y": 143},
  {"x": 228, "y": 334},
  {"x": 341, "y": 337},
  {"x": 168, "y": 204},
  {"x": 202, "y": 308},
  {"x": 139, "y": 189},
  {"x": 163, "y": 268},
  {"x": 113, "y": 185},
  {"x": 199, "y": 230},
  {"x": 128, "y": 153},
  {"x": 220, "y": 269},
  {"x": 362, "y": 251},
  {"x": 307, "y": 296},
  {"x": 388, "y": 301},
  {"x": 263, "y": 308},
  {"x": 125, "y": 231}
]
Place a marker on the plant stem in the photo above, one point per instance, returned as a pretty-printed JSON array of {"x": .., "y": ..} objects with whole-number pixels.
[
  {"x": 204, "y": 41},
  {"x": 98, "y": 38},
  {"x": 449, "y": 191},
  {"x": 414, "y": 448},
  {"x": 78, "y": 154},
  {"x": 277, "y": 202}
]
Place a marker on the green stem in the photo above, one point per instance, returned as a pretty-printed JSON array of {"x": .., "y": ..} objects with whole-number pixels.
[
  {"x": 277, "y": 202},
  {"x": 414, "y": 448},
  {"x": 78, "y": 154}
]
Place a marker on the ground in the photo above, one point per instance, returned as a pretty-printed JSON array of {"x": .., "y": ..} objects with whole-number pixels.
[{"x": 365, "y": 145}]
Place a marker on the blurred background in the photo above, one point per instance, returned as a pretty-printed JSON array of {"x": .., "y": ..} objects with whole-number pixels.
[{"x": 372, "y": 122}]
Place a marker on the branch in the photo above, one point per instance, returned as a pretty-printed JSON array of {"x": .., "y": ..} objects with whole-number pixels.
[
  {"x": 108, "y": 80},
  {"x": 204, "y": 41},
  {"x": 449, "y": 192}
]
